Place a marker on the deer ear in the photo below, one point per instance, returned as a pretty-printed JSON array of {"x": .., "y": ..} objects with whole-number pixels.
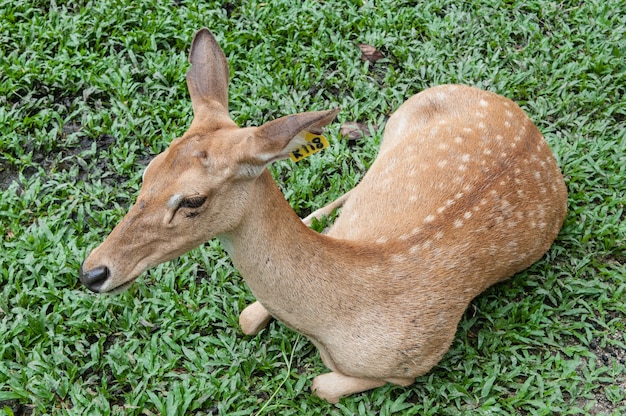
[
  {"x": 276, "y": 139},
  {"x": 207, "y": 79}
]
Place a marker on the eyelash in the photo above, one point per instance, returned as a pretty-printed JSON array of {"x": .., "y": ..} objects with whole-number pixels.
[{"x": 195, "y": 202}]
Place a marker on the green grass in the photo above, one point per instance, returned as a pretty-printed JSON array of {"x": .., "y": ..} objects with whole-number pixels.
[{"x": 90, "y": 91}]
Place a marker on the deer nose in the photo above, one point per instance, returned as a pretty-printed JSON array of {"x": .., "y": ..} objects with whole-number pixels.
[{"x": 94, "y": 278}]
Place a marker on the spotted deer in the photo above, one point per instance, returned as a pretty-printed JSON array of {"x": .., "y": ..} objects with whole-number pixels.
[{"x": 464, "y": 193}]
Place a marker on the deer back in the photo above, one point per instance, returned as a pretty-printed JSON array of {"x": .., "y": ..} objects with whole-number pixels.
[{"x": 463, "y": 179}]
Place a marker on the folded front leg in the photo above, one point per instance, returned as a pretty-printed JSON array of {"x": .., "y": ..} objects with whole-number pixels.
[
  {"x": 333, "y": 386},
  {"x": 254, "y": 318}
]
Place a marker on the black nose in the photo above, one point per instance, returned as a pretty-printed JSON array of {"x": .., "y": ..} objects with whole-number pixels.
[{"x": 94, "y": 278}]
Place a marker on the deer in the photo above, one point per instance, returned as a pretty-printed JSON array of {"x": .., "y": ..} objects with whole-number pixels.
[{"x": 464, "y": 193}]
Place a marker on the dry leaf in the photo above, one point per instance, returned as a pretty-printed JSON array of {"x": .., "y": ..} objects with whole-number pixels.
[
  {"x": 370, "y": 53},
  {"x": 355, "y": 131}
]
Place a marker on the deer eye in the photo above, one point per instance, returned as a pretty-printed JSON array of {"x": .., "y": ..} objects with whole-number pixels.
[{"x": 193, "y": 202}]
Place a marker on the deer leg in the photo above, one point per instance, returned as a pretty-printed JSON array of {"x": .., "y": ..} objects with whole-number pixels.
[
  {"x": 254, "y": 318},
  {"x": 333, "y": 386},
  {"x": 337, "y": 203}
]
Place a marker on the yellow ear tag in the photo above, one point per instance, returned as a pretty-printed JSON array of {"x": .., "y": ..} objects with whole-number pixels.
[{"x": 314, "y": 143}]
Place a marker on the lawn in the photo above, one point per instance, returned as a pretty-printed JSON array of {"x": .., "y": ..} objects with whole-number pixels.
[{"x": 91, "y": 91}]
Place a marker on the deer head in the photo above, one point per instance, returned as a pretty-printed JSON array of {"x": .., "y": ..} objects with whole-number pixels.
[{"x": 198, "y": 188}]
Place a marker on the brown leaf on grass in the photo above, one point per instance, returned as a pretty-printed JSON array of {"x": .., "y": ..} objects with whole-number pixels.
[
  {"x": 370, "y": 53},
  {"x": 355, "y": 131}
]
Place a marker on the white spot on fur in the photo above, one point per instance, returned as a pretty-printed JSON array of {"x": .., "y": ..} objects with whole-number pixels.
[
  {"x": 458, "y": 223},
  {"x": 467, "y": 215},
  {"x": 398, "y": 258},
  {"x": 483, "y": 103},
  {"x": 442, "y": 163},
  {"x": 429, "y": 218},
  {"x": 465, "y": 158}
]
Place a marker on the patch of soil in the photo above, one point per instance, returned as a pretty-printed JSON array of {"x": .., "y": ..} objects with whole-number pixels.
[
  {"x": 607, "y": 355},
  {"x": 62, "y": 158},
  {"x": 16, "y": 407}
]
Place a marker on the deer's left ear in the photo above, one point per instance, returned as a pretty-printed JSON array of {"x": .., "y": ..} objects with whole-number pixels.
[{"x": 276, "y": 139}]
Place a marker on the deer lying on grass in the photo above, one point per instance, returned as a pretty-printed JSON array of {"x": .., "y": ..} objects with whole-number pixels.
[{"x": 464, "y": 193}]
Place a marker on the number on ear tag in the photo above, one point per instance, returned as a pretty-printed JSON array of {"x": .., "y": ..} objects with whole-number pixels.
[{"x": 314, "y": 144}]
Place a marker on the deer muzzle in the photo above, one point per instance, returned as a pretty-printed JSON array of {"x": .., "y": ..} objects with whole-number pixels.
[{"x": 95, "y": 278}]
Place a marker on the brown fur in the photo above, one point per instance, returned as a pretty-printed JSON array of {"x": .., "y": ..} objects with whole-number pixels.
[{"x": 464, "y": 193}]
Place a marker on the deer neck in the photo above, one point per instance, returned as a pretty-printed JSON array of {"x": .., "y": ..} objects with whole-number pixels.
[
  {"x": 271, "y": 242},
  {"x": 282, "y": 260}
]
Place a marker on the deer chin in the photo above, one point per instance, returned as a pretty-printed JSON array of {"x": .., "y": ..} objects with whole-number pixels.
[
  {"x": 119, "y": 289},
  {"x": 141, "y": 267}
]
